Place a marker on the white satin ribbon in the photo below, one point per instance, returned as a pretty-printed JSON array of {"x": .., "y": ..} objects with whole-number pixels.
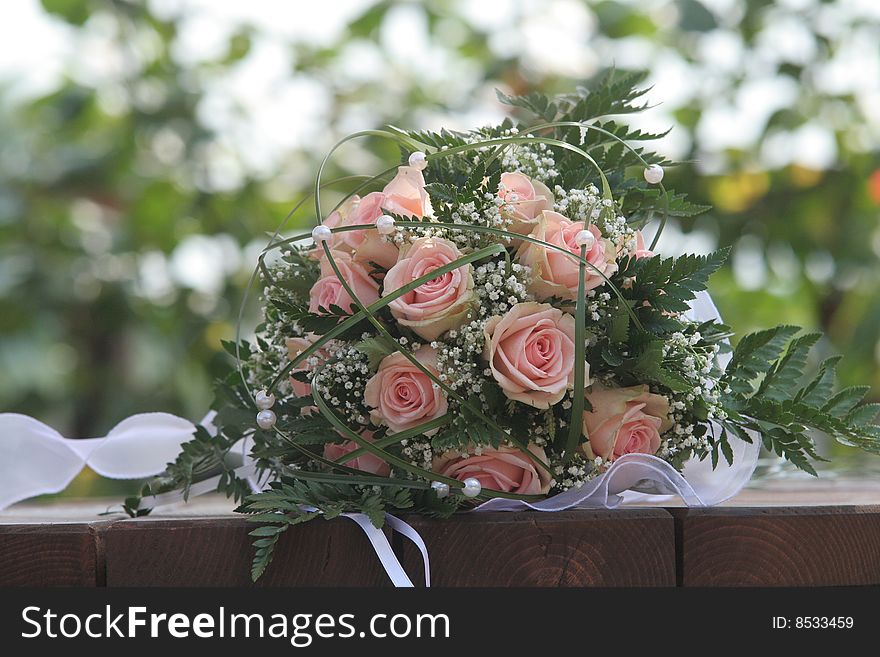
[
  {"x": 37, "y": 460},
  {"x": 385, "y": 552},
  {"x": 407, "y": 531},
  {"x": 382, "y": 547}
]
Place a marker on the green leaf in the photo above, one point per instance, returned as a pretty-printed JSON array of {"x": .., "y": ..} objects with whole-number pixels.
[
  {"x": 268, "y": 531},
  {"x": 680, "y": 206},
  {"x": 442, "y": 192},
  {"x": 781, "y": 380},
  {"x": 668, "y": 284},
  {"x": 754, "y": 353},
  {"x": 727, "y": 450},
  {"x": 863, "y": 416},
  {"x": 783, "y": 410},
  {"x": 444, "y": 138},
  {"x": 536, "y": 103},
  {"x": 845, "y": 400},
  {"x": 611, "y": 356},
  {"x": 618, "y": 330},
  {"x": 244, "y": 348},
  {"x": 819, "y": 391},
  {"x": 648, "y": 367},
  {"x": 611, "y": 92}
]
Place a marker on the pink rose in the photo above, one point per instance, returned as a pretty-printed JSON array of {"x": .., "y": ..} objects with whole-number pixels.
[
  {"x": 524, "y": 201},
  {"x": 368, "y": 245},
  {"x": 405, "y": 195},
  {"x": 366, "y": 462},
  {"x": 329, "y": 290},
  {"x": 363, "y": 213},
  {"x": 376, "y": 249},
  {"x": 335, "y": 219},
  {"x": 530, "y": 350},
  {"x": 554, "y": 274},
  {"x": 641, "y": 251},
  {"x": 403, "y": 396},
  {"x": 438, "y": 305},
  {"x": 504, "y": 469},
  {"x": 624, "y": 421},
  {"x": 365, "y": 245}
]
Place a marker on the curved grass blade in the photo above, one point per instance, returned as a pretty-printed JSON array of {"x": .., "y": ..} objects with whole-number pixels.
[
  {"x": 394, "y": 438},
  {"x": 575, "y": 428}
]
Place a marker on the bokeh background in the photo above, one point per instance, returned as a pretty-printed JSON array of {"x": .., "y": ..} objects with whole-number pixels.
[{"x": 146, "y": 148}]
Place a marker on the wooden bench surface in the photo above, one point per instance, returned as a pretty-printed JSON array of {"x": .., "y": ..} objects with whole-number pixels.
[{"x": 784, "y": 533}]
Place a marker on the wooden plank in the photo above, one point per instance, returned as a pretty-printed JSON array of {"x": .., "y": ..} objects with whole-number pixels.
[
  {"x": 761, "y": 544},
  {"x": 50, "y": 555},
  {"x": 779, "y": 546},
  {"x": 218, "y": 552},
  {"x": 621, "y": 547}
]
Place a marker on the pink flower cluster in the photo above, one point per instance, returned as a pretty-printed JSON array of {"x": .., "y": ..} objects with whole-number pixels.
[
  {"x": 356, "y": 251},
  {"x": 529, "y": 349}
]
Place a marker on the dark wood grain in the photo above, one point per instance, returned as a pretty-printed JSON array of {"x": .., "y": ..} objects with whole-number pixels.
[
  {"x": 49, "y": 555},
  {"x": 723, "y": 546},
  {"x": 621, "y": 547},
  {"x": 779, "y": 546},
  {"x": 218, "y": 552}
]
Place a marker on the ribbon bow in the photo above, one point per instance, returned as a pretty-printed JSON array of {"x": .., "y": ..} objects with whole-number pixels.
[{"x": 36, "y": 460}]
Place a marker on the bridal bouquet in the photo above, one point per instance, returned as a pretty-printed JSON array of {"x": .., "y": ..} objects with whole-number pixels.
[{"x": 486, "y": 319}]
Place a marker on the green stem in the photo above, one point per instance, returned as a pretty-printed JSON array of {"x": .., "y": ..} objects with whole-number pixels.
[
  {"x": 361, "y": 480},
  {"x": 575, "y": 428},
  {"x": 317, "y": 458},
  {"x": 394, "y": 438}
]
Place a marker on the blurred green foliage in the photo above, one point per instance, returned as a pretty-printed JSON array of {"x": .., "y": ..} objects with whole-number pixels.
[{"x": 138, "y": 183}]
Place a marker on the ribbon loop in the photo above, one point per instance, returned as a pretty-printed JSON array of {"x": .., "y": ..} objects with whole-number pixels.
[
  {"x": 383, "y": 550},
  {"x": 37, "y": 460}
]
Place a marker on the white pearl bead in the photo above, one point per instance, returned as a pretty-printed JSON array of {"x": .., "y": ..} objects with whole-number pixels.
[
  {"x": 321, "y": 233},
  {"x": 266, "y": 419},
  {"x": 654, "y": 174},
  {"x": 441, "y": 489},
  {"x": 385, "y": 224},
  {"x": 472, "y": 487},
  {"x": 418, "y": 160},
  {"x": 585, "y": 238},
  {"x": 264, "y": 400}
]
